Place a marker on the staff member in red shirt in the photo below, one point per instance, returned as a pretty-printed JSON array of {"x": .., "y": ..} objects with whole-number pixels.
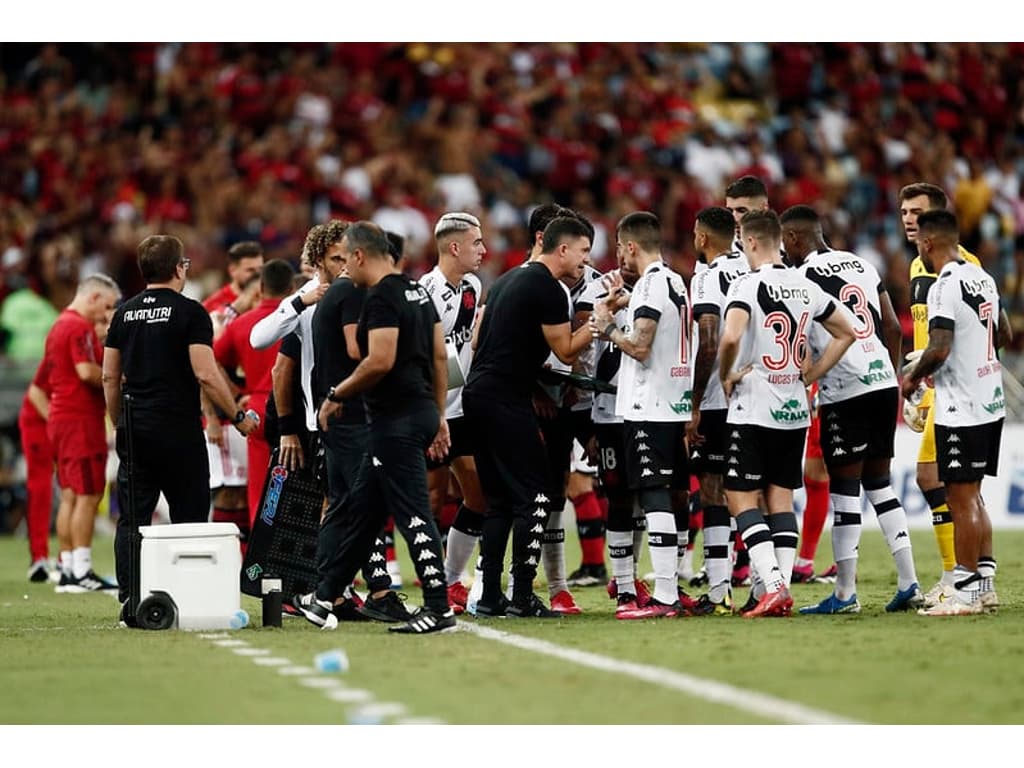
[
  {"x": 76, "y": 425},
  {"x": 233, "y": 350},
  {"x": 35, "y": 445}
]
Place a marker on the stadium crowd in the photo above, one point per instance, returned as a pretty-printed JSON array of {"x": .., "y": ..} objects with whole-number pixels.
[{"x": 103, "y": 145}]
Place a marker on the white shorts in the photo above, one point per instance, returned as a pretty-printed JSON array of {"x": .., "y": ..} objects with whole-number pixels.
[
  {"x": 580, "y": 464},
  {"x": 229, "y": 463}
]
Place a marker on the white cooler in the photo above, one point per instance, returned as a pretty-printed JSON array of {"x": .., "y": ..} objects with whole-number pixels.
[{"x": 199, "y": 566}]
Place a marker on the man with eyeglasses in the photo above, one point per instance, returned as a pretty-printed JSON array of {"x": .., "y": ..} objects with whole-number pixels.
[{"x": 159, "y": 353}]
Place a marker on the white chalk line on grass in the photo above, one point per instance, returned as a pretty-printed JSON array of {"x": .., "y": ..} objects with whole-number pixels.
[{"x": 760, "y": 704}]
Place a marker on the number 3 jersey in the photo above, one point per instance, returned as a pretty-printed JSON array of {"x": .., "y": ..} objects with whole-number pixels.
[
  {"x": 782, "y": 305},
  {"x": 658, "y": 389},
  {"x": 456, "y": 306},
  {"x": 855, "y": 285},
  {"x": 969, "y": 385}
]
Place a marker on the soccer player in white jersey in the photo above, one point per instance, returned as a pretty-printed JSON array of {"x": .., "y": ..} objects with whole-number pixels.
[
  {"x": 859, "y": 398},
  {"x": 764, "y": 364},
  {"x": 653, "y": 397},
  {"x": 713, "y": 233},
  {"x": 455, "y": 290},
  {"x": 963, "y": 307}
]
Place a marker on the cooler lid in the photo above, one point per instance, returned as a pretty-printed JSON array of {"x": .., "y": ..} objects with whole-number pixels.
[{"x": 188, "y": 530}]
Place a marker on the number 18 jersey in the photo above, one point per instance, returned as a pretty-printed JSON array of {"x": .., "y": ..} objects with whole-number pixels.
[{"x": 782, "y": 304}]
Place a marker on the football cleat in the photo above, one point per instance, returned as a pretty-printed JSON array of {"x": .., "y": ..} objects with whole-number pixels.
[
  {"x": 425, "y": 621},
  {"x": 906, "y": 599},
  {"x": 832, "y": 605},
  {"x": 652, "y": 610},
  {"x": 955, "y": 604},
  {"x": 778, "y": 603},
  {"x": 457, "y": 597},
  {"x": 319, "y": 613},
  {"x": 389, "y": 608},
  {"x": 565, "y": 604},
  {"x": 705, "y": 606},
  {"x": 937, "y": 594},
  {"x": 531, "y": 607}
]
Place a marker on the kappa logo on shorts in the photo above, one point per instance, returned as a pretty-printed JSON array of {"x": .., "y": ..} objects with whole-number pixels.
[
  {"x": 641, "y": 434},
  {"x": 533, "y": 544},
  {"x": 421, "y": 538},
  {"x": 430, "y": 571},
  {"x": 376, "y": 557},
  {"x": 953, "y": 438},
  {"x": 733, "y": 460},
  {"x": 735, "y": 435},
  {"x": 539, "y": 512},
  {"x": 839, "y": 452},
  {"x": 734, "y": 447},
  {"x": 416, "y": 522},
  {"x": 540, "y": 498},
  {"x": 647, "y": 473},
  {"x": 954, "y": 451},
  {"x": 426, "y": 554},
  {"x": 538, "y": 528},
  {"x": 733, "y": 473},
  {"x": 646, "y": 459},
  {"x": 643, "y": 447},
  {"x": 434, "y": 583},
  {"x": 379, "y": 572},
  {"x": 954, "y": 464},
  {"x": 531, "y": 561},
  {"x": 377, "y": 462},
  {"x": 833, "y": 427}
]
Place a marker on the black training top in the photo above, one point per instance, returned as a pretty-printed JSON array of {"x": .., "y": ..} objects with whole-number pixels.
[
  {"x": 511, "y": 347},
  {"x": 400, "y": 302},
  {"x": 340, "y": 306},
  {"x": 153, "y": 332}
]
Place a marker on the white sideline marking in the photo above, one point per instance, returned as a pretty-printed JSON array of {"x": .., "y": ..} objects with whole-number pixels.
[
  {"x": 756, "y": 703},
  {"x": 377, "y": 710},
  {"x": 250, "y": 651},
  {"x": 349, "y": 695},
  {"x": 272, "y": 661},
  {"x": 292, "y": 671},
  {"x": 230, "y": 643},
  {"x": 319, "y": 682},
  {"x": 418, "y": 721}
]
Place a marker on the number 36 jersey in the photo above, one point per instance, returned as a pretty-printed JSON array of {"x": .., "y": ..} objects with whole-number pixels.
[
  {"x": 855, "y": 286},
  {"x": 782, "y": 305}
]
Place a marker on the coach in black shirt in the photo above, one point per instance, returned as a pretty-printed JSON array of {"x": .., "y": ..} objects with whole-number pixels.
[
  {"x": 162, "y": 344},
  {"x": 526, "y": 317},
  {"x": 403, "y": 377}
]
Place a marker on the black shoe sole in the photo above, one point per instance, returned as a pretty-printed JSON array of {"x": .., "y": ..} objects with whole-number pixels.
[{"x": 376, "y": 615}]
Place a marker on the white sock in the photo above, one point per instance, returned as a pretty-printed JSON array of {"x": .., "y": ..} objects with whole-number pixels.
[
  {"x": 685, "y": 565},
  {"x": 892, "y": 519},
  {"x": 66, "y": 562},
  {"x": 761, "y": 548},
  {"x": 620, "y": 552},
  {"x": 552, "y": 554},
  {"x": 661, "y": 542},
  {"x": 846, "y": 527},
  {"x": 81, "y": 561},
  {"x": 459, "y": 551},
  {"x": 478, "y": 585}
]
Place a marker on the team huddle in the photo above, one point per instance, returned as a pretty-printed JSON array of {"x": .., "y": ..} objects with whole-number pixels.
[{"x": 562, "y": 381}]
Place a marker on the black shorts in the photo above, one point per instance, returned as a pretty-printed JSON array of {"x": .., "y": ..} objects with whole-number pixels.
[
  {"x": 709, "y": 456},
  {"x": 860, "y": 428},
  {"x": 967, "y": 454},
  {"x": 757, "y": 457},
  {"x": 582, "y": 426},
  {"x": 656, "y": 455},
  {"x": 461, "y": 445},
  {"x": 611, "y": 456}
]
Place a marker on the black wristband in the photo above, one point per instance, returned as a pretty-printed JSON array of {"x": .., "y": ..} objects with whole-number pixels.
[
  {"x": 298, "y": 305},
  {"x": 331, "y": 397},
  {"x": 288, "y": 424}
]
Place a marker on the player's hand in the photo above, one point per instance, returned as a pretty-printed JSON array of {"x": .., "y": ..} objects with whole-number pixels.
[
  {"x": 693, "y": 436},
  {"x": 249, "y": 296},
  {"x": 730, "y": 380},
  {"x": 214, "y": 432},
  {"x": 442, "y": 442},
  {"x": 911, "y": 364},
  {"x": 544, "y": 406},
  {"x": 314, "y": 295},
  {"x": 328, "y": 410},
  {"x": 290, "y": 454},
  {"x": 590, "y": 449},
  {"x": 914, "y": 417},
  {"x": 248, "y": 425}
]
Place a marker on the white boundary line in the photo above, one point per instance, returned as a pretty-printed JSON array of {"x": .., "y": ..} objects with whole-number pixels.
[{"x": 753, "y": 702}]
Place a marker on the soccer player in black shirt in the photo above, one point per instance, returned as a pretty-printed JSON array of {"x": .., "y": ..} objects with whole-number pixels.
[
  {"x": 403, "y": 377},
  {"x": 525, "y": 319},
  {"x": 161, "y": 343}
]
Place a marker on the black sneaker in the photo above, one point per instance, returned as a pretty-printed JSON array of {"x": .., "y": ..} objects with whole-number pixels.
[
  {"x": 750, "y": 605},
  {"x": 349, "y": 611},
  {"x": 317, "y": 612},
  {"x": 88, "y": 583},
  {"x": 62, "y": 585},
  {"x": 588, "y": 576},
  {"x": 530, "y": 608},
  {"x": 389, "y": 608},
  {"x": 128, "y": 619},
  {"x": 39, "y": 571},
  {"x": 492, "y": 611},
  {"x": 427, "y": 620}
]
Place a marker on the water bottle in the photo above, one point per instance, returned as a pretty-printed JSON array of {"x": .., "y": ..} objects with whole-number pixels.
[{"x": 271, "y": 591}]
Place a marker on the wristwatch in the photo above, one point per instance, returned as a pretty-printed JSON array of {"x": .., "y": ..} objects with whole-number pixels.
[
  {"x": 331, "y": 397},
  {"x": 609, "y": 328},
  {"x": 239, "y": 417}
]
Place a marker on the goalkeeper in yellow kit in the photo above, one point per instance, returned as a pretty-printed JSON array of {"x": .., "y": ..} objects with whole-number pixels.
[{"x": 918, "y": 413}]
